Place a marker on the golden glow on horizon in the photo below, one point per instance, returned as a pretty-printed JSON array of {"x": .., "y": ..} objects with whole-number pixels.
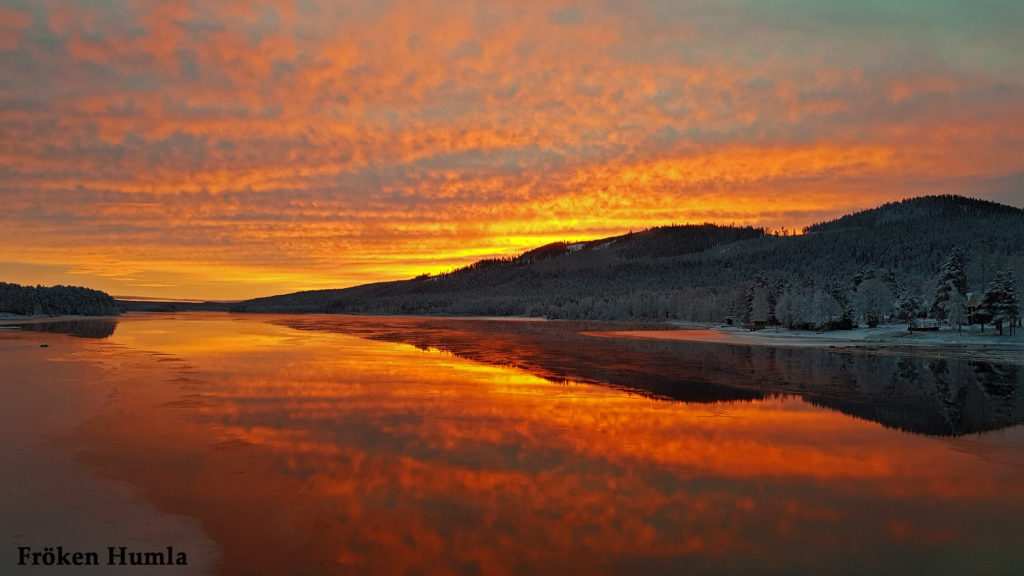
[{"x": 236, "y": 150}]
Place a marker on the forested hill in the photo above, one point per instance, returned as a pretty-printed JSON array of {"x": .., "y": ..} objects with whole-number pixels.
[
  {"x": 922, "y": 212},
  {"x": 708, "y": 272},
  {"x": 55, "y": 301}
]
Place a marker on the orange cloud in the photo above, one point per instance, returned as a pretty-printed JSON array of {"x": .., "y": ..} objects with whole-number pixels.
[{"x": 378, "y": 142}]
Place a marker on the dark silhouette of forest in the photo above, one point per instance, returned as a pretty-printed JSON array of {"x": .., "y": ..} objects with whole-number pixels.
[
  {"x": 923, "y": 257},
  {"x": 876, "y": 265},
  {"x": 55, "y": 301}
]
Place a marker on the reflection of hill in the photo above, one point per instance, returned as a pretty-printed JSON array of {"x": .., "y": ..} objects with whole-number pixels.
[
  {"x": 552, "y": 350},
  {"x": 927, "y": 396},
  {"x": 92, "y": 328}
]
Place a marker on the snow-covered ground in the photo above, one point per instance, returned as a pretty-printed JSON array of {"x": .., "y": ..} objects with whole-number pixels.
[{"x": 893, "y": 339}]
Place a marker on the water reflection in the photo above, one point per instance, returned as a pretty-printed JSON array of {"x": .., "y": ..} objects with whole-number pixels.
[
  {"x": 313, "y": 452},
  {"x": 87, "y": 328},
  {"x": 946, "y": 397}
]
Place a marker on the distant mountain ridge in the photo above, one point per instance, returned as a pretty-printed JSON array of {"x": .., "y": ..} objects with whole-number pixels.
[{"x": 705, "y": 272}]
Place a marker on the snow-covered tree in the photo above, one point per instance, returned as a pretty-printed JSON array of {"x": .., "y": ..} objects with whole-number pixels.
[
  {"x": 760, "y": 309},
  {"x": 1000, "y": 305},
  {"x": 907, "y": 308},
  {"x": 951, "y": 280},
  {"x": 795, "y": 309},
  {"x": 824, "y": 308},
  {"x": 873, "y": 301},
  {"x": 787, "y": 309},
  {"x": 954, "y": 310}
]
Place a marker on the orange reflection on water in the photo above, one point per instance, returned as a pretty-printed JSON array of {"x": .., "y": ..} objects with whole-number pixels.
[{"x": 386, "y": 458}]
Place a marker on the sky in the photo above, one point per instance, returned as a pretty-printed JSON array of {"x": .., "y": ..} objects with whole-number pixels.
[{"x": 227, "y": 150}]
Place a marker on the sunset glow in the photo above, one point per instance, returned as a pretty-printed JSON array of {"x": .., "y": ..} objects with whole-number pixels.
[{"x": 226, "y": 150}]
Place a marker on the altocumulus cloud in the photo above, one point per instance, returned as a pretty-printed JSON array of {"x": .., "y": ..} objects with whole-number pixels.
[{"x": 222, "y": 149}]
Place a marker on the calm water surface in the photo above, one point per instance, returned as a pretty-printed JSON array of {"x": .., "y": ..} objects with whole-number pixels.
[{"x": 323, "y": 445}]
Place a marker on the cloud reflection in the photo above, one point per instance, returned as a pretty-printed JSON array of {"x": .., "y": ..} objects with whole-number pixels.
[{"x": 339, "y": 453}]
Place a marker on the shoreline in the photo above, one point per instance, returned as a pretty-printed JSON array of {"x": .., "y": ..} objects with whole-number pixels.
[
  {"x": 47, "y": 399},
  {"x": 889, "y": 340},
  {"x": 15, "y": 320}
]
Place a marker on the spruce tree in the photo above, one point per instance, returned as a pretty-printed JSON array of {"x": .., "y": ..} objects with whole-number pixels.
[
  {"x": 952, "y": 279},
  {"x": 999, "y": 304}
]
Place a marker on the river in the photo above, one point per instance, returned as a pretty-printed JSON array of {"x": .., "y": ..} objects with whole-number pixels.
[{"x": 332, "y": 445}]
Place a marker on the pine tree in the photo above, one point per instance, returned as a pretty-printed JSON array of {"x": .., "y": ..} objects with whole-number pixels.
[
  {"x": 952, "y": 279},
  {"x": 1000, "y": 305},
  {"x": 907, "y": 308}
]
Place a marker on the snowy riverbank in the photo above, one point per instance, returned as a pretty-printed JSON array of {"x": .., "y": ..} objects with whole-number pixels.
[{"x": 893, "y": 339}]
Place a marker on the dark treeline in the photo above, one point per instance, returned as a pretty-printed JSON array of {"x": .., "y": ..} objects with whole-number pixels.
[
  {"x": 55, "y": 301},
  {"x": 872, "y": 266},
  {"x": 171, "y": 306}
]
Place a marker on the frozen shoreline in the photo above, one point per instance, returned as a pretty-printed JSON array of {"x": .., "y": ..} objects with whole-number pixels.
[
  {"x": 889, "y": 339},
  {"x": 49, "y": 496}
]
